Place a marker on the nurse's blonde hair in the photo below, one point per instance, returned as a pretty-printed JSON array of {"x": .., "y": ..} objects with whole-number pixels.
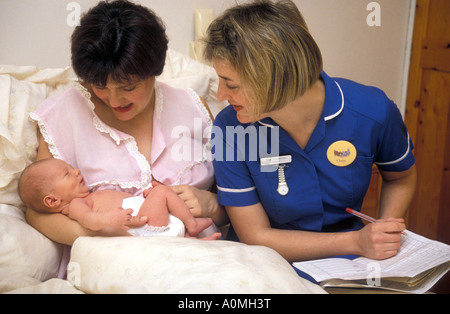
[{"x": 269, "y": 45}]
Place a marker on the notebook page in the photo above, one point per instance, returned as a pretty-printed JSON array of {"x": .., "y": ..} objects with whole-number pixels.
[
  {"x": 416, "y": 255},
  {"x": 330, "y": 268}
]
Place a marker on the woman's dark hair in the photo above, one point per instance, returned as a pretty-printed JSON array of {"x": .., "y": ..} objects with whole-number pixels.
[{"x": 118, "y": 40}]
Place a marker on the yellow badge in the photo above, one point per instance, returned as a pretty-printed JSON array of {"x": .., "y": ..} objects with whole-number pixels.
[{"x": 341, "y": 153}]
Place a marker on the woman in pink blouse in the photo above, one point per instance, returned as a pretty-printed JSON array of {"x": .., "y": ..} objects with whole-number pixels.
[{"x": 119, "y": 125}]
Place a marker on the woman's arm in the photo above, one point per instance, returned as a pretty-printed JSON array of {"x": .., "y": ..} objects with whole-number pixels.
[
  {"x": 397, "y": 192},
  {"x": 57, "y": 227},
  {"x": 376, "y": 241}
]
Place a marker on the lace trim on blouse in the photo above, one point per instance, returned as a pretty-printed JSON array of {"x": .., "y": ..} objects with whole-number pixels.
[
  {"x": 130, "y": 143},
  {"x": 47, "y": 138}
]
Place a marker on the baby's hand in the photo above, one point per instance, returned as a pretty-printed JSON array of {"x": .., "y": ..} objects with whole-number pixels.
[
  {"x": 121, "y": 218},
  {"x": 137, "y": 221}
]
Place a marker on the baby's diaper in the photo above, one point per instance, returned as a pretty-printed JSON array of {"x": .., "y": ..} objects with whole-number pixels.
[{"x": 175, "y": 228}]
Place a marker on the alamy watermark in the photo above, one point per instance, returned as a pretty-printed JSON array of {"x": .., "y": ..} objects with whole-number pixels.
[
  {"x": 373, "y": 278},
  {"x": 74, "y": 274},
  {"x": 374, "y": 17},
  {"x": 251, "y": 143},
  {"x": 73, "y": 18}
]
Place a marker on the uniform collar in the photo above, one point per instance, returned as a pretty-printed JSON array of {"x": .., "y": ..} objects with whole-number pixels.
[
  {"x": 334, "y": 101},
  {"x": 334, "y": 98}
]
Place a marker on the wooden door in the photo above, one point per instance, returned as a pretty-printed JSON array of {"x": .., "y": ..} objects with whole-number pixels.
[{"x": 428, "y": 119}]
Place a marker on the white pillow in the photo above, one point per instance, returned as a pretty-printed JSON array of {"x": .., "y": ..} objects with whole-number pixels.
[
  {"x": 180, "y": 265},
  {"x": 52, "y": 286},
  {"x": 18, "y": 140},
  {"x": 183, "y": 72},
  {"x": 22, "y": 89},
  {"x": 26, "y": 256}
]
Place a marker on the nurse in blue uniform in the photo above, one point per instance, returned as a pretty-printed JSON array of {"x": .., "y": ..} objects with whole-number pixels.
[{"x": 296, "y": 147}]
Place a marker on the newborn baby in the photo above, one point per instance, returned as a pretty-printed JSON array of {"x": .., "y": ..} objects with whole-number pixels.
[{"x": 53, "y": 186}]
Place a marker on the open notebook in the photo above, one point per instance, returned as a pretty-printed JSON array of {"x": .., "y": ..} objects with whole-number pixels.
[{"x": 419, "y": 264}]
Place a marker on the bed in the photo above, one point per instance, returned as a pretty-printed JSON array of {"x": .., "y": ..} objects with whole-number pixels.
[{"x": 29, "y": 261}]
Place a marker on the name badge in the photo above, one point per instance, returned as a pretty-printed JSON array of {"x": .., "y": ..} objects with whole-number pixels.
[
  {"x": 341, "y": 153},
  {"x": 276, "y": 160}
]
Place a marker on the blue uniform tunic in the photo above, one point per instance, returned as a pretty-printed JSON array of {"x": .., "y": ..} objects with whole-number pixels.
[{"x": 319, "y": 191}]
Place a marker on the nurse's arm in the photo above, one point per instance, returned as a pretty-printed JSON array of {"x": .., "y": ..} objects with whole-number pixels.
[
  {"x": 252, "y": 226},
  {"x": 397, "y": 192}
]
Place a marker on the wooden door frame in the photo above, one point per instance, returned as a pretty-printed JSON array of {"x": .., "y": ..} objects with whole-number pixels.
[{"x": 413, "y": 93}]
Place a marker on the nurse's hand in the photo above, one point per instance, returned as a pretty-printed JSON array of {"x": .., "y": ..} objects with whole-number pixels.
[
  {"x": 381, "y": 240},
  {"x": 201, "y": 203},
  {"x": 192, "y": 197}
]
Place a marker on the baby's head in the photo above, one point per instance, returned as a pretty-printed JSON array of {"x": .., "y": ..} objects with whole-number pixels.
[{"x": 47, "y": 185}]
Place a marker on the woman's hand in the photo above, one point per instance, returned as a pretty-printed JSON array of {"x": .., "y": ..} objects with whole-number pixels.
[
  {"x": 201, "y": 203},
  {"x": 196, "y": 200},
  {"x": 381, "y": 240}
]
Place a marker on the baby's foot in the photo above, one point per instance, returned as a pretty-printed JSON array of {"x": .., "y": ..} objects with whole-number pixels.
[
  {"x": 200, "y": 225},
  {"x": 214, "y": 236}
]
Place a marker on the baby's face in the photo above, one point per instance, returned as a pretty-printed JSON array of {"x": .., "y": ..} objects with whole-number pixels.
[{"x": 68, "y": 183}]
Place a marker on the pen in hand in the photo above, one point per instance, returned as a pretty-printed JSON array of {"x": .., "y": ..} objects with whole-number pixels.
[{"x": 363, "y": 216}]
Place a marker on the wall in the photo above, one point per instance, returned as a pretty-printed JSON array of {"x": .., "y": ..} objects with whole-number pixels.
[{"x": 36, "y": 32}]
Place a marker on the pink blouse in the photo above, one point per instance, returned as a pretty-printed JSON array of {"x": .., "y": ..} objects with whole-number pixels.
[{"x": 109, "y": 158}]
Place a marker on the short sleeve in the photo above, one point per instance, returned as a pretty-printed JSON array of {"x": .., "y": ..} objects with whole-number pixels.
[
  {"x": 394, "y": 152},
  {"x": 234, "y": 181}
]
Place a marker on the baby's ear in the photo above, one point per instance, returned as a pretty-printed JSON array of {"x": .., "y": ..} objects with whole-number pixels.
[{"x": 52, "y": 201}]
